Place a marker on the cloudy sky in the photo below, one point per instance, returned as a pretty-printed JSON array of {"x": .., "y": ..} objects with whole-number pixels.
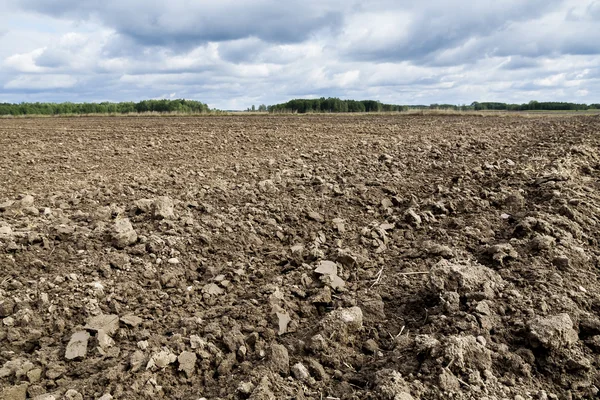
[{"x": 232, "y": 54}]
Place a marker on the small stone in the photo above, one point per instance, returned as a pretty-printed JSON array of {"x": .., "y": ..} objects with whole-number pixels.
[
  {"x": 371, "y": 346},
  {"x": 131, "y": 320},
  {"x": 173, "y": 260},
  {"x": 27, "y": 201},
  {"x": 300, "y": 372},
  {"x": 23, "y": 369},
  {"x": 106, "y": 396},
  {"x": 280, "y": 360},
  {"x": 187, "y": 363},
  {"x": 436, "y": 249},
  {"x": 77, "y": 347}
]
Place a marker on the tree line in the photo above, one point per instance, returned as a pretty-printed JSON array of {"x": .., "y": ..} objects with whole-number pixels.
[
  {"x": 535, "y": 106},
  {"x": 322, "y": 105},
  {"x": 336, "y": 105},
  {"x": 160, "y": 106},
  {"x": 332, "y": 104}
]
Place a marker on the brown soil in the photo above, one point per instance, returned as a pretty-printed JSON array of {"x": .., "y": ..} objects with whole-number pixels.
[{"x": 314, "y": 257}]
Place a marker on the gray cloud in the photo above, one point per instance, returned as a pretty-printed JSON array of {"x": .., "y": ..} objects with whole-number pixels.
[
  {"x": 232, "y": 55},
  {"x": 184, "y": 23},
  {"x": 449, "y": 25},
  {"x": 519, "y": 62},
  {"x": 52, "y": 58}
]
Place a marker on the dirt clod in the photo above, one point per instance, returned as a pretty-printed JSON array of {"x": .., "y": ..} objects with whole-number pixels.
[
  {"x": 17, "y": 392},
  {"x": 161, "y": 359},
  {"x": 300, "y": 372},
  {"x": 187, "y": 362},
  {"x": 123, "y": 233},
  {"x": 77, "y": 347},
  {"x": 390, "y": 385},
  {"x": 279, "y": 359},
  {"x": 162, "y": 208},
  {"x": 73, "y": 394},
  {"x": 553, "y": 332},
  {"x": 131, "y": 320},
  {"x": 108, "y": 323}
]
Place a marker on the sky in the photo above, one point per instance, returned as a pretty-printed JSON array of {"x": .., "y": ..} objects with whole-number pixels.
[{"x": 233, "y": 54}]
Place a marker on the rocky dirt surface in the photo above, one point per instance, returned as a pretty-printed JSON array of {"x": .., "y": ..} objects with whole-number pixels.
[{"x": 300, "y": 257}]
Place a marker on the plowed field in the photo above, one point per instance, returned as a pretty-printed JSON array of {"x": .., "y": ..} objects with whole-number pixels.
[{"x": 300, "y": 257}]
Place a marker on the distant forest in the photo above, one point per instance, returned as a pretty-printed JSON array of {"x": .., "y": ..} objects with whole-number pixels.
[
  {"x": 322, "y": 105},
  {"x": 337, "y": 105},
  {"x": 333, "y": 104},
  {"x": 161, "y": 106}
]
